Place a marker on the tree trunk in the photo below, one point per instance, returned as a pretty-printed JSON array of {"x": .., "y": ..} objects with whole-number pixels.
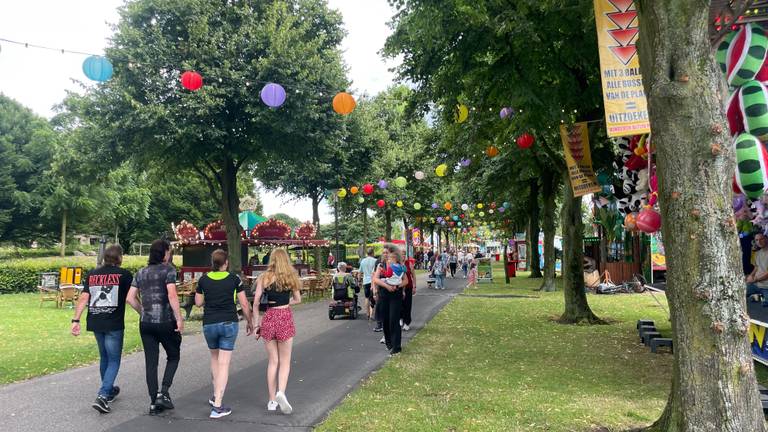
[
  {"x": 365, "y": 233},
  {"x": 576, "y": 306},
  {"x": 117, "y": 230},
  {"x": 408, "y": 237},
  {"x": 316, "y": 223},
  {"x": 549, "y": 192},
  {"x": 63, "y": 251},
  {"x": 388, "y": 226},
  {"x": 533, "y": 229},
  {"x": 230, "y": 209},
  {"x": 713, "y": 384}
]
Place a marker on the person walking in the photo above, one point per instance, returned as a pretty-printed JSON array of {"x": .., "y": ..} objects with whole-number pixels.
[
  {"x": 472, "y": 280},
  {"x": 161, "y": 322},
  {"x": 214, "y": 293},
  {"x": 465, "y": 260},
  {"x": 408, "y": 291},
  {"x": 376, "y": 291},
  {"x": 453, "y": 261},
  {"x": 282, "y": 287},
  {"x": 438, "y": 269},
  {"x": 391, "y": 278},
  {"x": 367, "y": 266},
  {"x": 104, "y": 292}
]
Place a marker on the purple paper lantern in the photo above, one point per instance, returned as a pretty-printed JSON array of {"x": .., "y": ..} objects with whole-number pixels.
[
  {"x": 506, "y": 112},
  {"x": 465, "y": 162},
  {"x": 434, "y": 205},
  {"x": 383, "y": 184},
  {"x": 501, "y": 209},
  {"x": 273, "y": 95}
]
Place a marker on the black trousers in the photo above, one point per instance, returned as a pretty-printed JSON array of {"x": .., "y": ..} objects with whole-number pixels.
[
  {"x": 152, "y": 336},
  {"x": 407, "y": 306},
  {"x": 391, "y": 307},
  {"x": 453, "y": 269}
]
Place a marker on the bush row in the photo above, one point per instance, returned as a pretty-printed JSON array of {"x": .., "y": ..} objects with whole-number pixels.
[{"x": 19, "y": 276}]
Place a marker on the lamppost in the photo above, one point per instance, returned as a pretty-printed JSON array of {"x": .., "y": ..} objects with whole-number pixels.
[{"x": 102, "y": 248}]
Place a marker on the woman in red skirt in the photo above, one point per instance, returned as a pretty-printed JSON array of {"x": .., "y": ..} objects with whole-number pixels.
[{"x": 281, "y": 285}]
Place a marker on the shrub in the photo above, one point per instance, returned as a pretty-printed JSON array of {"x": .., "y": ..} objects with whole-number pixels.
[{"x": 18, "y": 276}]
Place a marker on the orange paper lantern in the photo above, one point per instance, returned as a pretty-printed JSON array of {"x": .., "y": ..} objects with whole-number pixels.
[
  {"x": 492, "y": 151},
  {"x": 344, "y": 103},
  {"x": 448, "y": 206},
  {"x": 353, "y": 190}
]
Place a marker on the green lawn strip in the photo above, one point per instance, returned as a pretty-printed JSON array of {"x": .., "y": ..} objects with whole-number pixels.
[{"x": 498, "y": 364}]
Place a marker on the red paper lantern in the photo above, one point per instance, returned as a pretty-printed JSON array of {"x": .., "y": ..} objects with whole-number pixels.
[
  {"x": 648, "y": 221},
  {"x": 381, "y": 203},
  {"x": 367, "y": 188},
  {"x": 191, "y": 80},
  {"x": 525, "y": 140}
]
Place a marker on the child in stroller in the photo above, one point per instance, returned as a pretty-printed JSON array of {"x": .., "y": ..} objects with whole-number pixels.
[{"x": 345, "y": 290}]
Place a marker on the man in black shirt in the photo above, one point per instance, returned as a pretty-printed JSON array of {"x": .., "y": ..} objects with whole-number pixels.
[{"x": 104, "y": 293}]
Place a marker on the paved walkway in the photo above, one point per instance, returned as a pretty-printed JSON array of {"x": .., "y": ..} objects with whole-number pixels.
[{"x": 330, "y": 358}]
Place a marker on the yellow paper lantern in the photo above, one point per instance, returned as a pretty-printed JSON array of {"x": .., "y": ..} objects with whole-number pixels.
[
  {"x": 342, "y": 193},
  {"x": 461, "y": 113},
  {"x": 479, "y": 205},
  {"x": 399, "y": 203},
  {"x": 344, "y": 103},
  {"x": 441, "y": 170}
]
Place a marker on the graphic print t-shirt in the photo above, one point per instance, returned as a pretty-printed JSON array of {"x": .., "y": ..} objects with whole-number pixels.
[
  {"x": 152, "y": 281},
  {"x": 107, "y": 287}
]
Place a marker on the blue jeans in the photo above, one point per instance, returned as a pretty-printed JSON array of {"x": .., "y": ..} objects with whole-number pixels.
[
  {"x": 221, "y": 335},
  {"x": 439, "y": 281},
  {"x": 110, "y": 350}
]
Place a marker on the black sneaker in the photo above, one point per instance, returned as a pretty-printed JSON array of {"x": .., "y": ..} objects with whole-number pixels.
[
  {"x": 164, "y": 401},
  {"x": 219, "y": 412},
  {"x": 115, "y": 392},
  {"x": 155, "y": 409},
  {"x": 101, "y": 405}
]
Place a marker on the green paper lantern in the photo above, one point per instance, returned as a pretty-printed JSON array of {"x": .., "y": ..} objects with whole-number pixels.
[{"x": 401, "y": 182}]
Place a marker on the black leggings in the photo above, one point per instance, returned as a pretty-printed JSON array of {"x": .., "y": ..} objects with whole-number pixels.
[
  {"x": 407, "y": 306},
  {"x": 453, "y": 269},
  {"x": 391, "y": 307},
  {"x": 152, "y": 336}
]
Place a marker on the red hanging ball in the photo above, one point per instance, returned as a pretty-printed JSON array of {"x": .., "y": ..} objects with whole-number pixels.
[
  {"x": 525, "y": 140},
  {"x": 367, "y": 188},
  {"x": 191, "y": 80},
  {"x": 648, "y": 221}
]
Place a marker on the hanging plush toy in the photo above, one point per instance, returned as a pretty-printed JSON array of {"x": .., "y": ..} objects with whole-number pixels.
[
  {"x": 751, "y": 158},
  {"x": 653, "y": 184},
  {"x": 753, "y": 104},
  {"x": 642, "y": 180},
  {"x": 733, "y": 114},
  {"x": 745, "y": 55},
  {"x": 636, "y": 202},
  {"x": 635, "y": 161},
  {"x": 629, "y": 186}
]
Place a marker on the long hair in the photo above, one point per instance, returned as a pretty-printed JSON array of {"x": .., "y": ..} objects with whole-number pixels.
[
  {"x": 286, "y": 278},
  {"x": 157, "y": 251}
]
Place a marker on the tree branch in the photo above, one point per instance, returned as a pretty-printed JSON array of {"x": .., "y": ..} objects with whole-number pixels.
[
  {"x": 213, "y": 170},
  {"x": 212, "y": 188}
]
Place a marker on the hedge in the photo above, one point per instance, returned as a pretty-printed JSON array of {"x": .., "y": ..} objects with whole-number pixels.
[{"x": 18, "y": 276}]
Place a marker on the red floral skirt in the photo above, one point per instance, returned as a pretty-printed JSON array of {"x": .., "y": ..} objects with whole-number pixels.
[{"x": 278, "y": 324}]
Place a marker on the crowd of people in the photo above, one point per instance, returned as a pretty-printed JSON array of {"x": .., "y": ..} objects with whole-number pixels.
[
  {"x": 388, "y": 284},
  {"x": 448, "y": 263},
  {"x": 152, "y": 293}
]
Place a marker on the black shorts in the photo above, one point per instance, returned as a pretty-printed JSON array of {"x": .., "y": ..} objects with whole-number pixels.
[{"x": 368, "y": 291}]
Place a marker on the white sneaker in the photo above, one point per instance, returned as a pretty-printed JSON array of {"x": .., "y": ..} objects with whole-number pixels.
[
  {"x": 285, "y": 407},
  {"x": 272, "y": 406},
  {"x": 406, "y": 327},
  {"x": 382, "y": 340},
  {"x": 401, "y": 323}
]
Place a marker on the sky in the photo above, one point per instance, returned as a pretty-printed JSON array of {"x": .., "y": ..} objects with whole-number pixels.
[{"x": 39, "y": 79}]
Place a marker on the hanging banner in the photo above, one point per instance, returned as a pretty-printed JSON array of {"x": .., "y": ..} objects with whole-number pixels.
[
  {"x": 626, "y": 110},
  {"x": 579, "y": 159}
]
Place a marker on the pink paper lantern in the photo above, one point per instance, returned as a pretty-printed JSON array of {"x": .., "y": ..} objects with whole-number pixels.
[{"x": 648, "y": 221}]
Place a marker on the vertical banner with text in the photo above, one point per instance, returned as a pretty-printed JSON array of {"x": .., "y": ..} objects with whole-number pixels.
[
  {"x": 626, "y": 111},
  {"x": 579, "y": 159}
]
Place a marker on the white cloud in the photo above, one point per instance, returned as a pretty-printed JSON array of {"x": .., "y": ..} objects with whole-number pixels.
[{"x": 39, "y": 79}]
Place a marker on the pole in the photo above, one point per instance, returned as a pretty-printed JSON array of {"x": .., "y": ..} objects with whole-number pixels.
[{"x": 336, "y": 226}]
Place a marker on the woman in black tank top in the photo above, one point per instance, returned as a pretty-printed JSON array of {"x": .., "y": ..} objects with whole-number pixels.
[{"x": 281, "y": 284}]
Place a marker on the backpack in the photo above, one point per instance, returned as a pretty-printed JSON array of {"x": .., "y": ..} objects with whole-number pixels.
[{"x": 342, "y": 288}]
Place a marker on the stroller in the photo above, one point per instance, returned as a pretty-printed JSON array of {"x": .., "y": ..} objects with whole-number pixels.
[{"x": 344, "y": 302}]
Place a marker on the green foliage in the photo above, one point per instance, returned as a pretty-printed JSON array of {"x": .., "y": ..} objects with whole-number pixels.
[
  {"x": 291, "y": 221},
  {"x": 26, "y": 149}
]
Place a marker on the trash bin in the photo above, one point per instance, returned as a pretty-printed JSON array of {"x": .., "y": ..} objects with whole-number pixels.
[
  {"x": 512, "y": 268},
  {"x": 497, "y": 256}
]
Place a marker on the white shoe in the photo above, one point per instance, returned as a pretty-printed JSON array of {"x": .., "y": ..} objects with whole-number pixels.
[
  {"x": 272, "y": 406},
  {"x": 406, "y": 327},
  {"x": 285, "y": 407},
  {"x": 382, "y": 340},
  {"x": 401, "y": 323}
]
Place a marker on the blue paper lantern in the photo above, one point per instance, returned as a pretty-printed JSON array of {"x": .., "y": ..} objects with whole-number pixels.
[
  {"x": 273, "y": 95},
  {"x": 97, "y": 68}
]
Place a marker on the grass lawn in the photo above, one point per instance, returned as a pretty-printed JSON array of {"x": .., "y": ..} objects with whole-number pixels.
[
  {"x": 36, "y": 340},
  {"x": 502, "y": 364}
]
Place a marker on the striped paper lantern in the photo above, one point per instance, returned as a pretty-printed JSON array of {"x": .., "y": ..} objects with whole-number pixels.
[
  {"x": 751, "y": 160},
  {"x": 753, "y": 107},
  {"x": 746, "y": 55}
]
